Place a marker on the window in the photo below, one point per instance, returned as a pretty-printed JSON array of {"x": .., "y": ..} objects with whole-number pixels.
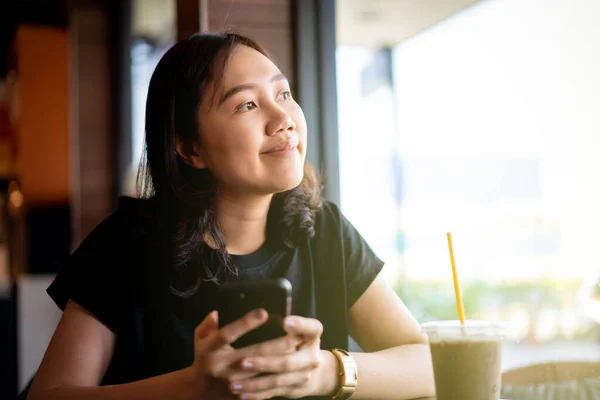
[
  {"x": 153, "y": 33},
  {"x": 485, "y": 122}
]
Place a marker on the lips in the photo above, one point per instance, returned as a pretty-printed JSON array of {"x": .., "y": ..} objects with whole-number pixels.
[{"x": 283, "y": 146}]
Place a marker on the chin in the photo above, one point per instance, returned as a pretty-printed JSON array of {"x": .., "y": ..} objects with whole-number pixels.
[{"x": 285, "y": 183}]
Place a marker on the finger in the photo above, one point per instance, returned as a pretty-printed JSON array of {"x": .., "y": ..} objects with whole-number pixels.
[
  {"x": 238, "y": 375},
  {"x": 209, "y": 323},
  {"x": 277, "y": 382},
  {"x": 308, "y": 327},
  {"x": 297, "y": 361},
  {"x": 269, "y": 394},
  {"x": 283, "y": 345},
  {"x": 236, "y": 329}
]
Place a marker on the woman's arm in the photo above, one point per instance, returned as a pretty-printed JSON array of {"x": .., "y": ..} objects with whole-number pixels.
[
  {"x": 78, "y": 356},
  {"x": 397, "y": 362}
]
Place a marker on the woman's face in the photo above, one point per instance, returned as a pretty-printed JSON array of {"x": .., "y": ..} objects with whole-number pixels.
[{"x": 252, "y": 132}]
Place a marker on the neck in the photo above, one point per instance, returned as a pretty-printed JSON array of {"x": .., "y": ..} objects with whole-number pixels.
[{"x": 243, "y": 222}]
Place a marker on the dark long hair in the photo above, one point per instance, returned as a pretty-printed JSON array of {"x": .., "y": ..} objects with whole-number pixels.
[{"x": 186, "y": 195}]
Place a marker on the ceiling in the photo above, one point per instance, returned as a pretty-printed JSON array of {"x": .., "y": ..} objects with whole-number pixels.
[{"x": 380, "y": 23}]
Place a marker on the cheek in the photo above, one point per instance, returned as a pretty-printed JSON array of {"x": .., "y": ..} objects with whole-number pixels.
[
  {"x": 302, "y": 131},
  {"x": 230, "y": 139},
  {"x": 298, "y": 117}
]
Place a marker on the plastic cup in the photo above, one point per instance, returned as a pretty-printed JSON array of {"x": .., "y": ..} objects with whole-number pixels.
[{"x": 466, "y": 359}]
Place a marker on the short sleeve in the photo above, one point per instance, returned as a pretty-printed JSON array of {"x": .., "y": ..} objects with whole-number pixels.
[
  {"x": 361, "y": 264},
  {"x": 96, "y": 275}
]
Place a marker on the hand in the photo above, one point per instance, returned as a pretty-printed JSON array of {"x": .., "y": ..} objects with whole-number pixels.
[
  {"x": 291, "y": 375},
  {"x": 217, "y": 364}
]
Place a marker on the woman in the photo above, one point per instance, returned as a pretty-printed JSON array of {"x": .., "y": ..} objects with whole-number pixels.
[{"x": 226, "y": 195}]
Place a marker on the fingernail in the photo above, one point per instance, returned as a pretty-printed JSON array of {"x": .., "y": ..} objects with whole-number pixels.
[
  {"x": 247, "y": 364},
  {"x": 258, "y": 314},
  {"x": 236, "y": 388},
  {"x": 244, "y": 396},
  {"x": 290, "y": 323}
]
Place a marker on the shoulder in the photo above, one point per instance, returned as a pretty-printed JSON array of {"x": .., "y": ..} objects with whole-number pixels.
[
  {"x": 118, "y": 230},
  {"x": 331, "y": 220},
  {"x": 329, "y": 215},
  {"x": 107, "y": 233},
  {"x": 335, "y": 230},
  {"x": 99, "y": 272},
  {"x": 331, "y": 227}
]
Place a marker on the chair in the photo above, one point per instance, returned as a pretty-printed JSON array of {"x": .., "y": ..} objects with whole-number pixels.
[{"x": 574, "y": 380}]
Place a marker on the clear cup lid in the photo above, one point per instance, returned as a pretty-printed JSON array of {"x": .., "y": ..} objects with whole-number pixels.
[{"x": 438, "y": 330}]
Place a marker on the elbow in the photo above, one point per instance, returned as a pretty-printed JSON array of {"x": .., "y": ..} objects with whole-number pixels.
[
  {"x": 42, "y": 394},
  {"x": 37, "y": 392},
  {"x": 33, "y": 395}
]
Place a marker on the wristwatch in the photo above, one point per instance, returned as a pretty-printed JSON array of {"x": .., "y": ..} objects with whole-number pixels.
[{"x": 348, "y": 373}]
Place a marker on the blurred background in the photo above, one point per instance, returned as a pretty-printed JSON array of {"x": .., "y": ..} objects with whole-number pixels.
[{"x": 477, "y": 117}]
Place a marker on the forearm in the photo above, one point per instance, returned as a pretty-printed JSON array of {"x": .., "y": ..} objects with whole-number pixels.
[
  {"x": 176, "y": 385},
  {"x": 403, "y": 372}
]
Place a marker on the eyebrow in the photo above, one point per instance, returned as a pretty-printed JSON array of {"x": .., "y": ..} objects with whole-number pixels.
[{"x": 249, "y": 86}]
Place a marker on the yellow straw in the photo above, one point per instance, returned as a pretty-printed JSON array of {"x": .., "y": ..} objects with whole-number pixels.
[{"x": 459, "y": 303}]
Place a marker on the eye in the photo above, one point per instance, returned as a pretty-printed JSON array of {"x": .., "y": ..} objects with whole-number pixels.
[
  {"x": 247, "y": 106},
  {"x": 285, "y": 95}
]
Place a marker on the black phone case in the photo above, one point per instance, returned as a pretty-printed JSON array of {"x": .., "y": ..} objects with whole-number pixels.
[{"x": 238, "y": 298}]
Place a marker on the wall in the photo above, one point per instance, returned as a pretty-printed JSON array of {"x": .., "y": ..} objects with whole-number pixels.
[
  {"x": 269, "y": 22},
  {"x": 93, "y": 140},
  {"x": 44, "y": 142},
  {"x": 68, "y": 153},
  {"x": 43, "y": 123}
]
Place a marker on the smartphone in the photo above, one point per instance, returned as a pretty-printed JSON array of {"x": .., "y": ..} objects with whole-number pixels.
[{"x": 236, "y": 299}]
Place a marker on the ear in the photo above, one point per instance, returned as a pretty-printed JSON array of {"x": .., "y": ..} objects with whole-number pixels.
[{"x": 189, "y": 150}]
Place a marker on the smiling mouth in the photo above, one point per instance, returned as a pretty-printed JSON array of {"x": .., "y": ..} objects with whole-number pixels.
[{"x": 283, "y": 148}]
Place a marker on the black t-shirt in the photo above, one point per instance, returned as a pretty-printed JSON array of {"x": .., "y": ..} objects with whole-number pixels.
[{"x": 118, "y": 275}]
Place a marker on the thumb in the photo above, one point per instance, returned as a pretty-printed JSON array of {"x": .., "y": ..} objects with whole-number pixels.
[{"x": 208, "y": 325}]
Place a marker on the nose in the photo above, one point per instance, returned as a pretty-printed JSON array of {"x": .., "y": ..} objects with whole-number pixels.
[{"x": 279, "y": 122}]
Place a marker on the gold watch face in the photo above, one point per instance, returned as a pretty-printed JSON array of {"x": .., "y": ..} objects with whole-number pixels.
[{"x": 350, "y": 372}]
